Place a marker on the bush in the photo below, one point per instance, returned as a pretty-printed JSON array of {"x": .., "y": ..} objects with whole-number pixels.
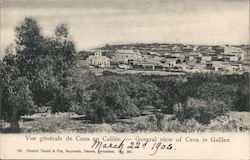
[
  {"x": 190, "y": 125},
  {"x": 145, "y": 126},
  {"x": 201, "y": 110}
]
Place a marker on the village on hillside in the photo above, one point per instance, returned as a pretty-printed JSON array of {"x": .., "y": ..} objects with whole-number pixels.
[{"x": 171, "y": 58}]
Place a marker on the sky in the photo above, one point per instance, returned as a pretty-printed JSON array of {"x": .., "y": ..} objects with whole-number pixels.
[{"x": 94, "y": 23}]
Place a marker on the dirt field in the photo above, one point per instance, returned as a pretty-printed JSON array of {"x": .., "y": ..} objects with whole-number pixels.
[
  {"x": 64, "y": 123},
  {"x": 244, "y": 116}
]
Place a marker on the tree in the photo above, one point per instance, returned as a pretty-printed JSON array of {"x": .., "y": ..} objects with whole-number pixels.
[
  {"x": 242, "y": 95},
  {"x": 61, "y": 51},
  {"x": 46, "y": 62},
  {"x": 16, "y": 97},
  {"x": 29, "y": 41},
  {"x": 38, "y": 74},
  {"x": 218, "y": 91},
  {"x": 78, "y": 90},
  {"x": 2, "y": 85},
  {"x": 65, "y": 47},
  {"x": 110, "y": 101},
  {"x": 62, "y": 31},
  {"x": 171, "y": 91}
]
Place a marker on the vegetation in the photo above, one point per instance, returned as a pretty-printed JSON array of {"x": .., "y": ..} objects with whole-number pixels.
[{"x": 201, "y": 110}]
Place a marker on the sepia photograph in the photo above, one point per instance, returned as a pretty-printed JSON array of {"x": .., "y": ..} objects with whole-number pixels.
[
  {"x": 124, "y": 66},
  {"x": 124, "y": 79}
]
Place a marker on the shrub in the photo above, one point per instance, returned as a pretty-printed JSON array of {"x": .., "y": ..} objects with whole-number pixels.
[
  {"x": 159, "y": 121},
  {"x": 201, "y": 110}
]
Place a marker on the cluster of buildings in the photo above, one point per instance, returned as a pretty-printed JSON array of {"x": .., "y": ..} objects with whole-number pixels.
[{"x": 173, "y": 58}]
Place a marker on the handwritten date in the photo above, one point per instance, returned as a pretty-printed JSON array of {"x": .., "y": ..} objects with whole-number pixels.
[{"x": 129, "y": 145}]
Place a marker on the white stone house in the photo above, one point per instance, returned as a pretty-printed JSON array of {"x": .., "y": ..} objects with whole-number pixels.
[{"x": 99, "y": 60}]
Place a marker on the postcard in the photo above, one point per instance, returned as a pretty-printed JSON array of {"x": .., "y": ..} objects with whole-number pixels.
[{"x": 124, "y": 79}]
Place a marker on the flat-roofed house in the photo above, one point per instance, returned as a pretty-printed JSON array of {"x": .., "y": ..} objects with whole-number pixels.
[
  {"x": 238, "y": 52},
  {"x": 168, "y": 62},
  {"x": 234, "y": 58},
  {"x": 188, "y": 49},
  {"x": 215, "y": 65},
  {"x": 206, "y": 58},
  {"x": 218, "y": 49},
  {"x": 233, "y": 67},
  {"x": 125, "y": 56},
  {"x": 147, "y": 66}
]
